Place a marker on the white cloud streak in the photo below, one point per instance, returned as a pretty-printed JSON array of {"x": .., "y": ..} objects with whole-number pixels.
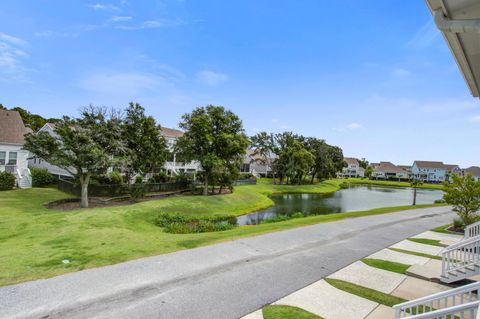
[{"x": 211, "y": 78}]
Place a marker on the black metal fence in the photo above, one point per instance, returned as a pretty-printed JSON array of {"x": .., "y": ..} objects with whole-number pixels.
[{"x": 120, "y": 190}]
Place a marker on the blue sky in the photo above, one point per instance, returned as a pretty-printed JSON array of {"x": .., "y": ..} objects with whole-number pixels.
[{"x": 374, "y": 77}]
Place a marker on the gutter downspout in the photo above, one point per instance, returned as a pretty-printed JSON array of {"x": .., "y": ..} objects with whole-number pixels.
[{"x": 456, "y": 26}]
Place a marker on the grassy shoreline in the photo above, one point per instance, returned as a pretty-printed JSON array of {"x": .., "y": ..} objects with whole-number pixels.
[{"x": 34, "y": 240}]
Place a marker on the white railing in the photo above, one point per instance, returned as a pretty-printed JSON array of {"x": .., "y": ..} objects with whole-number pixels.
[
  {"x": 472, "y": 230},
  {"x": 8, "y": 168},
  {"x": 462, "y": 302},
  {"x": 461, "y": 255}
]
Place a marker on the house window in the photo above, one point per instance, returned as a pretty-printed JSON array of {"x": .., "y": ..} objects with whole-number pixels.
[
  {"x": 12, "y": 158},
  {"x": 2, "y": 158}
]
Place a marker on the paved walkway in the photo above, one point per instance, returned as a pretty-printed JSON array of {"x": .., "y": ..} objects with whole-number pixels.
[
  {"x": 227, "y": 280},
  {"x": 328, "y": 302}
]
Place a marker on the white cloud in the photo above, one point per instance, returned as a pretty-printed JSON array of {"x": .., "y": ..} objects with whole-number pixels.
[
  {"x": 120, "y": 18},
  {"x": 211, "y": 78},
  {"x": 354, "y": 126},
  {"x": 152, "y": 24},
  {"x": 125, "y": 84},
  {"x": 12, "y": 40},
  {"x": 401, "y": 72},
  {"x": 103, "y": 6},
  {"x": 475, "y": 119},
  {"x": 12, "y": 56}
]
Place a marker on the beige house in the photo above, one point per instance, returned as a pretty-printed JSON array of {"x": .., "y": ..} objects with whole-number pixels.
[
  {"x": 474, "y": 171},
  {"x": 387, "y": 170}
]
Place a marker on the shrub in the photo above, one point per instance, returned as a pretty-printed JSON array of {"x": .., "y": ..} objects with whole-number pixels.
[
  {"x": 282, "y": 218},
  {"x": 179, "y": 224},
  {"x": 159, "y": 178},
  {"x": 137, "y": 190},
  {"x": 116, "y": 178},
  {"x": 41, "y": 177},
  {"x": 344, "y": 185},
  {"x": 439, "y": 201},
  {"x": 458, "y": 224},
  {"x": 7, "y": 181}
]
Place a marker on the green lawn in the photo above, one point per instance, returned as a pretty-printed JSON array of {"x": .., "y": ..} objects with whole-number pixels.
[
  {"x": 34, "y": 240},
  {"x": 287, "y": 312},
  {"x": 416, "y": 253},
  {"x": 426, "y": 241},
  {"x": 386, "y": 265},
  {"x": 364, "y": 292},
  {"x": 360, "y": 181}
]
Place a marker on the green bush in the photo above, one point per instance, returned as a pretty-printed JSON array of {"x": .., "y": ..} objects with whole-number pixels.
[
  {"x": 179, "y": 224},
  {"x": 7, "y": 181},
  {"x": 41, "y": 177},
  {"x": 159, "y": 178},
  {"x": 439, "y": 201},
  {"x": 458, "y": 224},
  {"x": 282, "y": 218},
  {"x": 344, "y": 185},
  {"x": 137, "y": 190}
]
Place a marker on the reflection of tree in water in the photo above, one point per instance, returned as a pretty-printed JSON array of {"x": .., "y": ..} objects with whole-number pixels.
[{"x": 346, "y": 200}]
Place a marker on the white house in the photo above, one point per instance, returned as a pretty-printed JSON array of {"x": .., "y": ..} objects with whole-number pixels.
[
  {"x": 429, "y": 171},
  {"x": 13, "y": 158},
  {"x": 387, "y": 170},
  {"x": 37, "y": 162},
  {"x": 256, "y": 164},
  {"x": 172, "y": 165},
  {"x": 353, "y": 168}
]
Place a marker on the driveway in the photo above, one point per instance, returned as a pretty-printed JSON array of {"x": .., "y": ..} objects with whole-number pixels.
[{"x": 226, "y": 280}]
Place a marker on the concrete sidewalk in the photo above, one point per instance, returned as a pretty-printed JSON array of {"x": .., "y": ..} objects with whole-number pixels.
[
  {"x": 326, "y": 301},
  {"x": 226, "y": 280}
]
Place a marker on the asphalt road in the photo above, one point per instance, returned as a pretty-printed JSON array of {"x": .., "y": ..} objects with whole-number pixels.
[{"x": 226, "y": 280}]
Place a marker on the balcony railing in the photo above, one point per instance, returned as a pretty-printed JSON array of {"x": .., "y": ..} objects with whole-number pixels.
[{"x": 8, "y": 168}]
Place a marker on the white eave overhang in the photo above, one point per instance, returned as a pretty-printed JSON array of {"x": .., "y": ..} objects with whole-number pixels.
[{"x": 459, "y": 22}]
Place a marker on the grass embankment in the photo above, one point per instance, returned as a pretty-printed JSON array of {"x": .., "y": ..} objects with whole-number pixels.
[
  {"x": 34, "y": 240},
  {"x": 287, "y": 312},
  {"x": 360, "y": 181}
]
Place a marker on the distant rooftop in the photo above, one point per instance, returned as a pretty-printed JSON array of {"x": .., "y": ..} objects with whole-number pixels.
[
  {"x": 12, "y": 128},
  {"x": 170, "y": 132}
]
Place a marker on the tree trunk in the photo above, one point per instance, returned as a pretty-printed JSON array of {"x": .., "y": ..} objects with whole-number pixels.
[
  {"x": 84, "y": 180},
  {"x": 313, "y": 177},
  {"x": 205, "y": 186},
  {"x": 414, "y": 196}
]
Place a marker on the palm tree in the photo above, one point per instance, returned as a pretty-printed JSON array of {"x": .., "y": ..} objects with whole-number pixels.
[{"x": 415, "y": 182}]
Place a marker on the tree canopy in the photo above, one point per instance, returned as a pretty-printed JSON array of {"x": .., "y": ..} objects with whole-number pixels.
[
  {"x": 84, "y": 146},
  {"x": 145, "y": 147},
  {"x": 215, "y": 137},
  {"x": 463, "y": 193}
]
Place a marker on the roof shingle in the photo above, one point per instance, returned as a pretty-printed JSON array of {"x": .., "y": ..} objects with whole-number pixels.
[{"x": 12, "y": 129}]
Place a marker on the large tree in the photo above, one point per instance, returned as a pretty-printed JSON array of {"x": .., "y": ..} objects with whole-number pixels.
[
  {"x": 464, "y": 194},
  {"x": 213, "y": 136},
  {"x": 84, "y": 146},
  {"x": 145, "y": 147},
  {"x": 263, "y": 145}
]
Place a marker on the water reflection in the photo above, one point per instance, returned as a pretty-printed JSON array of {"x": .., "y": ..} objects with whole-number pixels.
[{"x": 345, "y": 200}]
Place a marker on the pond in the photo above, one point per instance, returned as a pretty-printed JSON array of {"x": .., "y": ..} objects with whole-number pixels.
[{"x": 345, "y": 200}]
